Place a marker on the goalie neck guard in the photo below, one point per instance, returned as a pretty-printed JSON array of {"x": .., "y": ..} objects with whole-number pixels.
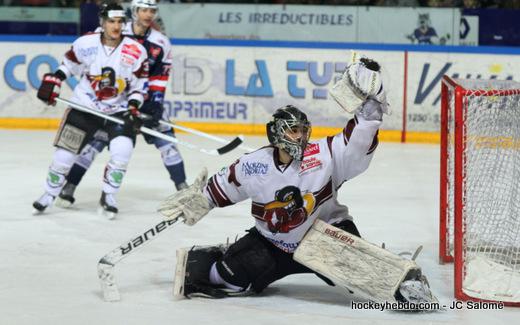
[{"x": 289, "y": 130}]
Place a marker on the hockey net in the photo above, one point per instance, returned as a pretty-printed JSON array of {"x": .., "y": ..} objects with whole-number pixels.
[{"x": 480, "y": 188}]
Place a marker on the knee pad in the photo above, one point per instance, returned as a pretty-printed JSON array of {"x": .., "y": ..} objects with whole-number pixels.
[
  {"x": 121, "y": 149},
  {"x": 248, "y": 263}
]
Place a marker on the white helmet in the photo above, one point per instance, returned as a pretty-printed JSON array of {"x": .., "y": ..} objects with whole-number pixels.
[{"x": 142, "y": 4}]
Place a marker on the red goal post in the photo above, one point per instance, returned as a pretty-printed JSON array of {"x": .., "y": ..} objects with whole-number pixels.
[{"x": 480, "y": 187}]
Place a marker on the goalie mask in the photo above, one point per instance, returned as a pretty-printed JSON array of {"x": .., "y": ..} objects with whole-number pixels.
[
  {"x": 361, "y": 80},
  {"x": 290, "y": 131}
]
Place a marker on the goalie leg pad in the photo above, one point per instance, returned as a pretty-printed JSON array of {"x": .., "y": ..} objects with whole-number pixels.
[{"x": 354, "y": 263}]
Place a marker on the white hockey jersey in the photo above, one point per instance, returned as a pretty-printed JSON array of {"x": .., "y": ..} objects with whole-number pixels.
[
  {"x": 287, "y": 199},
  {"x": 109, "y": 78}
]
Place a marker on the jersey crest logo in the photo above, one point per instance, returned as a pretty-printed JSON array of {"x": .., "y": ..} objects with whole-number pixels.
[
  {"x": 107, "y": 85},
  {"x": 289, "y": 209}
]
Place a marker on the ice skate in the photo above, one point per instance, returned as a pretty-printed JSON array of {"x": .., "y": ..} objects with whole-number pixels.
[
  {"x": 66, "y": 197},
  {"x": 181, "y": 186},
  {"x": 42, "y": 203},
  {"x": 108, "y": 205}
]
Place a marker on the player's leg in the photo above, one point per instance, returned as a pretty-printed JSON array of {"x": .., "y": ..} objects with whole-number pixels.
[
  {"x": 247, "y": 266},
  {"x": 75, "y": 131},
  {"x": 121, "y": 146},
  {"x": 80, "y": 167},
  {"x": 171, "y": 158}
]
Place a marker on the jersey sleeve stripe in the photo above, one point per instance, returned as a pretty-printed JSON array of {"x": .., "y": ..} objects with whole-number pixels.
[
  {"x": 348, "y": 129},
  {"x": 71, "y": 56},
  {"x": 157, "y": 88},
  {"x": 329, "y": 144},
  {"x": 323, "y": 194},
  {"x": 374, "y": 144},
  {"x": 160, "y": 77},
  {"x": 257, "y": 210},
  {"x": 216, "y": 192}
]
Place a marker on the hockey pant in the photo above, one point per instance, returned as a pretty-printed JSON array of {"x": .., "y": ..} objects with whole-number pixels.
[{"x": 253, "y": 262}]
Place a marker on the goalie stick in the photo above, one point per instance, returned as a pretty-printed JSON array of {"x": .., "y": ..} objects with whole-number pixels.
[
  {"x": 106, "y": 264},
  {"x": 213, "y": 152}
]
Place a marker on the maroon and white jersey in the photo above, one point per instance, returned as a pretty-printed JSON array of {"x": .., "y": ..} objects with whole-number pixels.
[
  {"x": 109, "y": 77},
  {"x": 287, "y": 199}
]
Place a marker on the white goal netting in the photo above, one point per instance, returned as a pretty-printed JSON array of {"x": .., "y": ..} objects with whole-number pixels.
[{"x": 490, "y": 184}]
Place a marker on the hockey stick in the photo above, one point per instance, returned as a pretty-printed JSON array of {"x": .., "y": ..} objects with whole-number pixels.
[
  {"x": 106, "y": 264},
  {"x": 213, "y": 152},
  {"x": 235, "y": 143},
  {"x": 229, "y": 145}
]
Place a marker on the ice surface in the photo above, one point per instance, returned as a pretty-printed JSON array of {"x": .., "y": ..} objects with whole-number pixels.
[{"x": 48, "y": 269}]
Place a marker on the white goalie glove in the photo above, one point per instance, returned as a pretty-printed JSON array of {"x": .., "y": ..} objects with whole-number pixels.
[
  {"x": 190, "y": 203},
  {"x": 360, "y": 81}
]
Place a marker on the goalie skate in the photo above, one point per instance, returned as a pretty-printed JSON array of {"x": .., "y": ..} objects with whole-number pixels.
[{"x": 192, "y": 272}]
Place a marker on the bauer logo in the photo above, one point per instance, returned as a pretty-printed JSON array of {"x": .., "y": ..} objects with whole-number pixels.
[
  {"x": 147, "y": 235},
  {"x": 339, "y": 235}
]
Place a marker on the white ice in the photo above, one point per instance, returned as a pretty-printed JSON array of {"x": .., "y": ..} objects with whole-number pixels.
[{"x": 48, "y": 269}]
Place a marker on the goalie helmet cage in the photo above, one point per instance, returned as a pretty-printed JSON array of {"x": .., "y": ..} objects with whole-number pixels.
[{"x": 480, "y": 188}]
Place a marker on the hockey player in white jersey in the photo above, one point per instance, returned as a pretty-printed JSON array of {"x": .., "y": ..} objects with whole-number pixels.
[
  {"x": 158, "y": 47},
  {"x": 293, "y": 186},
  {"x": 113, "y": 72}
]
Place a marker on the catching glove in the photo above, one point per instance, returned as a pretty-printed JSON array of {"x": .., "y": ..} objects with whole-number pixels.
[{"x": 190, "y": 203}]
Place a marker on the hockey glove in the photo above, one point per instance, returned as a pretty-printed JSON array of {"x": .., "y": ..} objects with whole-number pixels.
[
  {"x": 132, "y": 116},
  {"x": 190, "y": 203},
  {"x": 154, "y": 110},
  {"x": 50, "y": 88}
]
